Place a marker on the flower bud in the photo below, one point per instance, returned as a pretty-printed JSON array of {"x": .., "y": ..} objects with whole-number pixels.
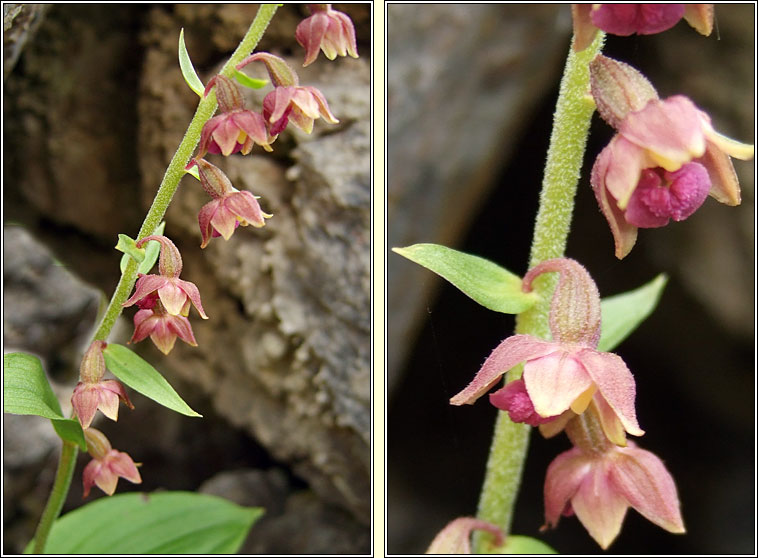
[
  {"x": 280, "y": 72},
  {"x": 98, "y": 445},
  {"x": 618, "y": 89},
  {"x": 213, "y": 179},
  {"x": 92, "y": 368},
  {"x": 575, "y": 308},
  {"x": 170, "y": 261},
  {"x": 228, "y": 95}
]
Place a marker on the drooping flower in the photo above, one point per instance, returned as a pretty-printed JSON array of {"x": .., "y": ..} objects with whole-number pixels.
[
  {"x": 328, "y": 30},
  {"x": 640, "y": 19},
  {"x": 289, "y": 100},
  {"x": 236, "y": 129},
  {"x": 455, "y": 538},
  {"x": 598, "y": 481},
  {"x": 566, "y": 374},
  {"x": 162, "y": 327},
  {"x": 665, "y": 159},
  {"x": 93, "y": 392},
  {"x": 175, "y": 294},
  {"x": 230, "y": 207},
  {"x": 107, "y": 464}
]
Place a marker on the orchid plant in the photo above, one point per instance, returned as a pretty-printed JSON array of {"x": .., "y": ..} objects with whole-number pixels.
[
  {"x": 560, "y": 374},
  {"x": 164, "y": 301}
]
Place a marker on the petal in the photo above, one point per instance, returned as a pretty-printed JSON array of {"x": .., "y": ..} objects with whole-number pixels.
[
  {"x": 562, "y": 480},
  {"x": 144, "y": 322},
  {"x": 624, "y": 234},
  {"x": 733, "y": 148},
  {"x": 649, "y": 206},
  {"x": 700, "y": 17},
  {"x": 615, "y": 383},
  {"x": 509, "y": 353},
  {"x": 181, "y": 327},
  {"x": 625, "y": 162},
  {"x": 162, "y": 337},
  {"x": 253, "y": 125},
  {"x": 671, "y": 131},
  {"x": 117, "y": 387},
  {"x": 172, "y": 296},
  {"x": 105, "y": 479},
  {"x": 599, "y": 506},
  {"x": 146, "y": 284},
  {"x": 193, "y": 294},
  {"x": 643, "y": 480},
  {"x": 123, "y": 466},
  {"x": 246, "y": 208},
  {"x": 226, "y": 135},
  {"x": 554, "y": 382},
  {"x": 108, "y": 404},
  {"x": 89, "y": 474},
  {"x": 204, "y": 218},
  {"x": 584, "y": 29},
  {"x": 347, "y": 33},
  {"x": 514, "y": 399},
  {"x": 689, "y": 186},
  {"x": 309, "y": 34},
  {"x": 279, "y": 99},
  {"x": 610, "y": 423},
  {"x": 85, "y": 401},
  {"x": 323, "y": 106},
  {"x": 224, "y": 221},
  {"x": 725, "y": 186},
  {"x": 642, "y": 19}
]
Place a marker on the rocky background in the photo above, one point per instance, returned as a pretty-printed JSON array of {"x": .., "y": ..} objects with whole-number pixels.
[
  {"x": 95, "y": 106},
  {"x": 471, "y": 92}
]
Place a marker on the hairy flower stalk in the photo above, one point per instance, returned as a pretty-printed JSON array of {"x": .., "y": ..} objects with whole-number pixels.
[{"x": 564, "y": 160}]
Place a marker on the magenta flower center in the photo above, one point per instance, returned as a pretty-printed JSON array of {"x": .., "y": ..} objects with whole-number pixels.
[
  {"x": 643, "y": 19},
  {"x": 661, "y": 195}
]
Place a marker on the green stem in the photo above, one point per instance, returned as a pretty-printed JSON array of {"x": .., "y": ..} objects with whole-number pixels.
[
  {"x": 571, "y": 123},
  {"x": 174, "y": 173},
  {"x": 57, "y": 495},
  {"x": 175, "y": 170}
]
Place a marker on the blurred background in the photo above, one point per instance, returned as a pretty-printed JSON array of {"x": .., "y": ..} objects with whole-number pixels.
[
  {"x": 94, "y": 107},
  {"x": 471, "y": 92}
]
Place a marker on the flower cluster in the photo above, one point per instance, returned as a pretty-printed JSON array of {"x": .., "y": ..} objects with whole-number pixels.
[
  {"x": 665, "y": 159},
  {"x": 567, "y": 384}
]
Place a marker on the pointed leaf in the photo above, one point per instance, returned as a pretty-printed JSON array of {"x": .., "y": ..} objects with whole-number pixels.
[
  {"x": 520, "y": 544},
  {"x": 622, "y": 313},
  {"x": 146, "y": 257},
  {"x": 188, "y": 70},
  {"x": 158, "y": 523},
  {"x": 139, "y": 375},
  {"x": 247, "y": 81},
  {"x": 26, "y": 391},
  {"x": 487, "y": 283}
]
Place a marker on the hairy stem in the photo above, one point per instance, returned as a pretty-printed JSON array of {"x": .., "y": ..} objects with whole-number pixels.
[
  {"x": 175, "y": 170},
  {"x": 166, "y": 190},
  {"x": 571, "y": 123}
]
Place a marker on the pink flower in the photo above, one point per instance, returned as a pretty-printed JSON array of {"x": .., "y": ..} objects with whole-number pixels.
[
  {"x": 664, "y": 161},
  {"x": 599, "y": 486},
  {"x": 301, "y": 105},
  {"x": 455, "y": 538},
  {"x": 162, "y": 327},
  {"x": 92, "y": 392},
  {"x": 236, "y": 128},
  {"x": 564, "y": 374},
  {"x": 289, "y": 100},
  {"x": 107, "y": 465},
  {"x": 174, "y": 293},
  {"x": 230, "y": 207},
  {"x": 640, "y": 19},
  {"x": 328, "y": 30}
]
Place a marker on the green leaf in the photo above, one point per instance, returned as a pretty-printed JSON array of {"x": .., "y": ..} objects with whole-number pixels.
[
  {"x": 139, "y": 375},
  {"x": 247, "y": 81},
  {"x": 146, "y": 257},
  {"x": 188, "y": 70},
  {"x": 520, "y": 544},
  {"x": 71, "y": 431},
  {"x": 157, "y": 523},
  {"x": 487, "y": 283},
  {"x": 26, "y": 391},
  {"x": 194, "y": 171},
  {"x": 622, "y": 313}
]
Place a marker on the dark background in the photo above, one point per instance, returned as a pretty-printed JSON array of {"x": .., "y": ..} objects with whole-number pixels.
[{"x": 694, "y": 370}]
